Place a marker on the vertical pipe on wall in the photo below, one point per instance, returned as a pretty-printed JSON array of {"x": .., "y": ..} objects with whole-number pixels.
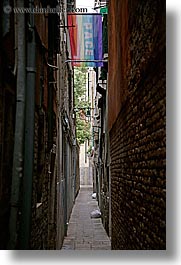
[
  {"x": 66, "y": 164},
  {"x": 29, "y": 136},
  {"x": 51, "y": 47},
  {"x": 19, "y": 131},
  {"x": 74, "y": 169}
]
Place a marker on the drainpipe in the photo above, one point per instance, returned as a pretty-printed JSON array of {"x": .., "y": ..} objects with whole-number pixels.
[
  {"x": 17, "y": 171},
  {"x": 25, "y": 230},
  {"x": 74, "y": 167},
  {"x": 15, "y": 41},
  {"x": 51, "y": 46}
]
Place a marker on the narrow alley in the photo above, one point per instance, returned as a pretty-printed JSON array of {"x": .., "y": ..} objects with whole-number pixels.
[
  {"x": 84, "y": 232},
  {"x": 82, "y": 125}
]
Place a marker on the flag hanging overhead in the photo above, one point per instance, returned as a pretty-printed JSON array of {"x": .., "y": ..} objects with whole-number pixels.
[{"x": 85, "y": 31}]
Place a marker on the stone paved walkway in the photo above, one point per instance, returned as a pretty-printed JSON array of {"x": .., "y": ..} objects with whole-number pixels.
[{"x": 84, "y": 232}]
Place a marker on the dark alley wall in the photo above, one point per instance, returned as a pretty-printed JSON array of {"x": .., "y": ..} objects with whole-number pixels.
[
  {"x": 44, "y": 192},
  {"x": 7, "y": 117},
  {"x": 137, "y": 116},
  {"x": 39, "y": 180}
]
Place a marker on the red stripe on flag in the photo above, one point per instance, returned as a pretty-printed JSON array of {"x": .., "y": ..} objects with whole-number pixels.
[{"x": 73, "y": 31}]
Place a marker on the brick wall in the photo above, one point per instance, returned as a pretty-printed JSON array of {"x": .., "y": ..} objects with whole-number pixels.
[
  {"x": 39, "y": 231},
  {"x": 43, "y": 230},
  {"x": 137, "y": 135}
]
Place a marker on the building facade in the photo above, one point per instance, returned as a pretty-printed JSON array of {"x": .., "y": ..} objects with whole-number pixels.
[
  {"x": 101, "y": 162},
  {"x": 39, "y": 176},
  {"x": 137, "y": 124}
]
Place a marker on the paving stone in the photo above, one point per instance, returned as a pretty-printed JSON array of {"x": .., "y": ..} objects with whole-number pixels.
[
  {"x": 83, "y": 246},
  {"x": 83, "y": 232},
  {"x": 101, "y": 246}
]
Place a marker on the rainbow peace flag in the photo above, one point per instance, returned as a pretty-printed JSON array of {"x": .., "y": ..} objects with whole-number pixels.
[{"x": 85, "y": 31}]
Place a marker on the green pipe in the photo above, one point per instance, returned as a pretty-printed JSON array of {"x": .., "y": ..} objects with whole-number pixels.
[
  {"x": 17, "y": 171},
  {"x": 25, "y": 229}
]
